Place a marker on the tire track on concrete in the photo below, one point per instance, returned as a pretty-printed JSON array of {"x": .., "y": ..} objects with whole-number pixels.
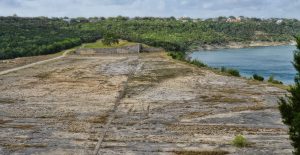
[
  {"x": 121, "y": 95},
  {"x": 35, "y": 63}
]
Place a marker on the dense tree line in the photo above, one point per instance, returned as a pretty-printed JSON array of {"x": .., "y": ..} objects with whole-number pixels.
[
  {"x": 35, "y": 36},
  {"x": 180, "y": 35}
]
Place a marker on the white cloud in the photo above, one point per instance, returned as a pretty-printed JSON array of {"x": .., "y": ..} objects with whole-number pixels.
[{"x": 192, "y": 8}]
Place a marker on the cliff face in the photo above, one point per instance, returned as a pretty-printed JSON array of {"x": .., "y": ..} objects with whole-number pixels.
[{"x": 135, "y": 104}]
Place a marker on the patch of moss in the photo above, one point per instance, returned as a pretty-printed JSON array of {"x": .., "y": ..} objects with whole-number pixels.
[
  {"x": 43, "y": 75},
  {"x": 16, "y": 147},
  {"x": 142, "y": 82},
  {"x": 257, "y": 106},
  {"x": 215, "y": 152},
  {"x": 224, "y": 99},
  {"x": 5, "y": 121},
  {"x": 195, "y": 115},
  {"x": 101, "y": 119},
  {"x": 6, "y": 101},
  {"x": 167, "y": 73},
  {"x": 22, "y": 127}
]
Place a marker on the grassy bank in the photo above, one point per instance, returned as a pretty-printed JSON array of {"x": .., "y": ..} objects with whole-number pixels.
[{"x": 100, "y": 44}]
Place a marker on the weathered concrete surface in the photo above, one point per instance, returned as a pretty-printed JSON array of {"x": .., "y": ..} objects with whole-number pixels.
[{"x": 135, "y": 104}]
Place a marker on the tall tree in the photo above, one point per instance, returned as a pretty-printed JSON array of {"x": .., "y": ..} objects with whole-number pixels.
[
  {"x": 290, "y": 107},
  {"x": 109, "y": 39}
]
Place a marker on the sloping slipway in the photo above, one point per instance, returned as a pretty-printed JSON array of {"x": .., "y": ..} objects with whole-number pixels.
[{"x": 135, "y": 104}]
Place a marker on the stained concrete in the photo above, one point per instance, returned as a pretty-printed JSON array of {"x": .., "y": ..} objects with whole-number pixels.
[{"x": 135, "y": 104}]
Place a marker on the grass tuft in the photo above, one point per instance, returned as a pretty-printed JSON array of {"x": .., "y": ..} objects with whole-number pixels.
[
  {"x": 230, "y": 71},
  {"x": 240, "y": 141}
]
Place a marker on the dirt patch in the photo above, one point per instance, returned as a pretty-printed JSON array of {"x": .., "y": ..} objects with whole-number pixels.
[{"x": 77, "y": 127}]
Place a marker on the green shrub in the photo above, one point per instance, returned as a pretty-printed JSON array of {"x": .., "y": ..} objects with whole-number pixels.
[
  {"x": 223, "y": 69},
  {"x": 182, "y": 57},
  {"x": 272, "y": 80},
  {"x": 110, "y": 39},
  {"x": 258, "y": 77},
  {"x": 231, "y": 71},
  {"x": 177, "y": 55},
  {"x": 240, "y": 141},
  {"x": 198, "y": 63}
]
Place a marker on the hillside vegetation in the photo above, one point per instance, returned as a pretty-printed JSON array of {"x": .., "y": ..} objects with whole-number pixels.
[
  {"x": 180, "y": 35},
  {"x": 36, "y": 36}
]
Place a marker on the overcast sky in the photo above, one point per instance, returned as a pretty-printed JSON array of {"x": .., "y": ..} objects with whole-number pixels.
[{"x": 161, "y": 8}]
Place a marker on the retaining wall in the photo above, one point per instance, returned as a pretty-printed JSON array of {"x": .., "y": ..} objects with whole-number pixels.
[{"x": 133, "y": 49}]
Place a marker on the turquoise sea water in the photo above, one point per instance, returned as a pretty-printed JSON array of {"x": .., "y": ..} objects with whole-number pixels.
[{"x": 265, "y": 61}]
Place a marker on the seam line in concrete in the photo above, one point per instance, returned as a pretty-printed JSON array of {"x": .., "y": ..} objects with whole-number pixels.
[{"x": 113, "y": 112}]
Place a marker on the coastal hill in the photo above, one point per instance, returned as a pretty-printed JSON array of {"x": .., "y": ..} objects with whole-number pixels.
[{"x": 144, "y": 103}]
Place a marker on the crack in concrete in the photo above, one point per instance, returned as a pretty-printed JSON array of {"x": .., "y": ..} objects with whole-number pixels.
[{"x": 121, "y": 95}]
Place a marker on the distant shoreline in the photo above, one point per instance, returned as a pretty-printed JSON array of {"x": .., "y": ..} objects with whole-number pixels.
[{"x": 238, "y": 45}]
